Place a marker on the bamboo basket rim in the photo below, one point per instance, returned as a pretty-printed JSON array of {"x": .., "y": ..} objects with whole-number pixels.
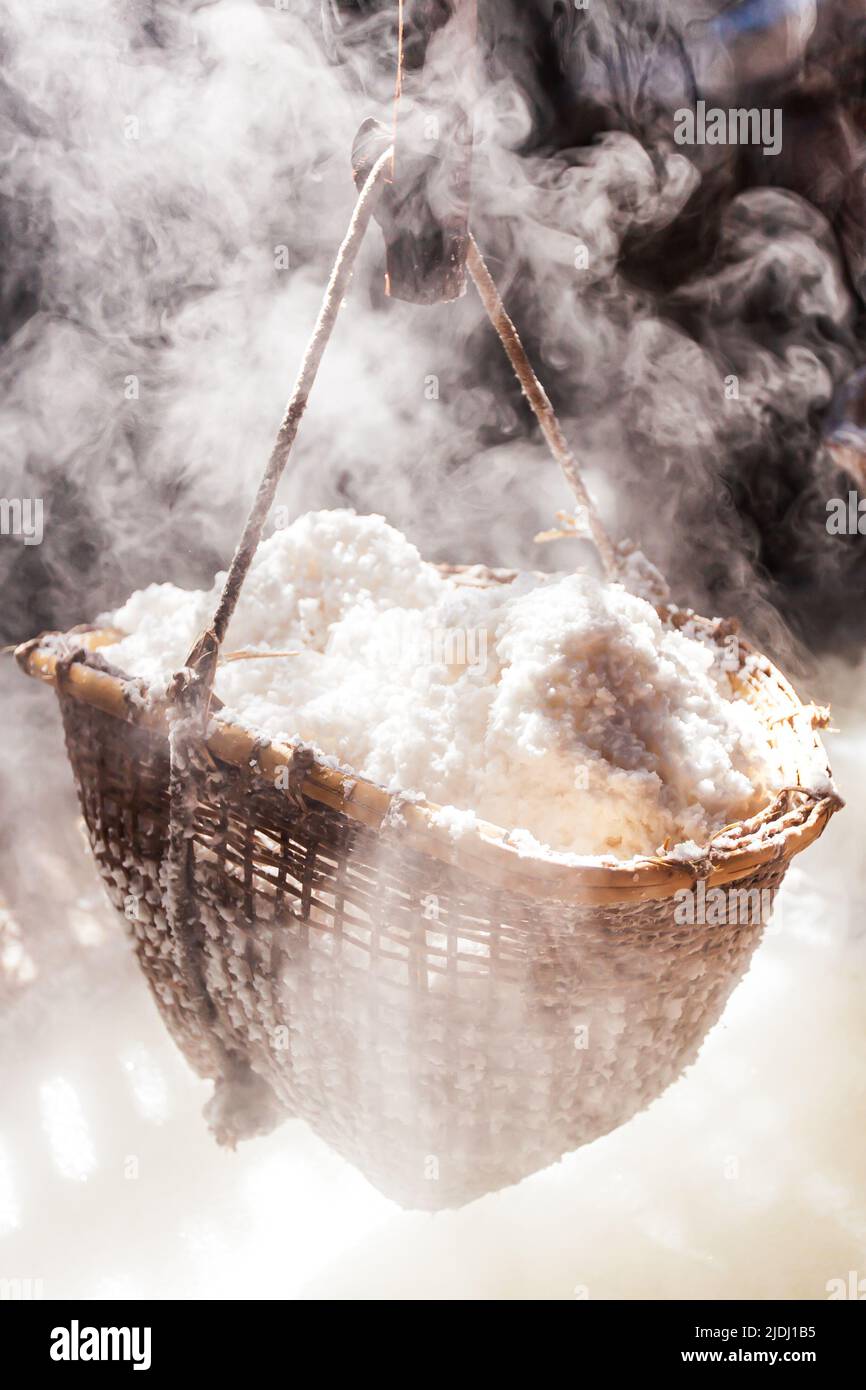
[{"x": 784, "y": 828}]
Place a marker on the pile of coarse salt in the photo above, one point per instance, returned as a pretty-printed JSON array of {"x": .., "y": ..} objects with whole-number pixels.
[{"x": 559, "y": 707}]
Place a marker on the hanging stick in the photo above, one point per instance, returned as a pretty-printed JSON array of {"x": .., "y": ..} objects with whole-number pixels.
[
  {"x": 207, "y": 647},
  {"x": 243, "y": 1103},
  {"x": 540, "y": 403}
]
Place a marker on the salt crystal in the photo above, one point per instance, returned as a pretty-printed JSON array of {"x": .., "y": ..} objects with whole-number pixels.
[{"x": 559, "y": 707}]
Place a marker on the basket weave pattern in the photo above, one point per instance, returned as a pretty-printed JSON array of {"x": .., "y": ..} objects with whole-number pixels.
[
  {"x": 449, "y": 1016},
  {"x": 446, "y": 1036}
]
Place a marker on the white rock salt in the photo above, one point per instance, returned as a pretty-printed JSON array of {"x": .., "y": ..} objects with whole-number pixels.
[{"x": 558, "y": 706}]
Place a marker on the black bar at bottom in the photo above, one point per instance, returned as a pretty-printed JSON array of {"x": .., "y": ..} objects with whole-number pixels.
[{"x": 67, "y": 1337}]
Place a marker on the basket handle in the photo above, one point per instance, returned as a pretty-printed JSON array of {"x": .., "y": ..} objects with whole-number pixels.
[
  {"x": 203, "y": 657},
  {"x": 200, "y": 666},
  {"x": 540, "y": 403}
]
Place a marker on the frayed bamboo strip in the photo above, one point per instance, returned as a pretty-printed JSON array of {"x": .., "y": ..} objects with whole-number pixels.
[{"x": 226, "y": 657}]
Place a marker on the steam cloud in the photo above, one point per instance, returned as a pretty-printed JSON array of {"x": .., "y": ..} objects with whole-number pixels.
[
  {"x": 183, "y": 171},
  {"x": 162, "y": 161}
]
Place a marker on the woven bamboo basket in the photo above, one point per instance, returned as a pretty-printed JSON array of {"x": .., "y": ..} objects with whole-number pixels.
[{"x": 448, "y": 1015}]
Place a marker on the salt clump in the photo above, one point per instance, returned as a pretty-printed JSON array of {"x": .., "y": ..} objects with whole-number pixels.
[{"x": 558, "y": 707}]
